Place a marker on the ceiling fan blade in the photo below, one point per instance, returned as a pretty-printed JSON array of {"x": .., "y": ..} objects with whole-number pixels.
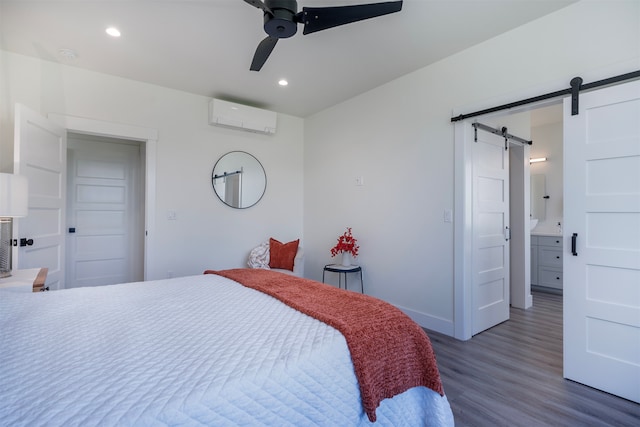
[
  {"x": 262, "y": 53},
  {"x": 322, "y": 18},
  {"x": 259, "y": 5}
]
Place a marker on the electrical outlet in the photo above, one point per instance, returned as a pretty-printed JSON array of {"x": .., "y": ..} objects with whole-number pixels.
[{"x": 172, "y": 215}]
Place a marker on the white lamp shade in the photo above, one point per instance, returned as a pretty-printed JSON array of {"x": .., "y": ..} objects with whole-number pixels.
[{"x": 14, "y": 194}]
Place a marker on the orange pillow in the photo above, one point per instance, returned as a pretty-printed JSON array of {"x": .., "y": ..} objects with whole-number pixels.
[{"x": 281, "y": 255}]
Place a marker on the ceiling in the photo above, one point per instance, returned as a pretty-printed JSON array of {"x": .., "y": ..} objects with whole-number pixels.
[
  {"x": 205, "y": 46},
  {"x": 546, "y": 115}
]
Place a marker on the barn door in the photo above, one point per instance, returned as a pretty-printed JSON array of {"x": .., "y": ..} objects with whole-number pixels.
[
  {"x": 602, "y": 240},
  {"x": 490, "y": 246}
]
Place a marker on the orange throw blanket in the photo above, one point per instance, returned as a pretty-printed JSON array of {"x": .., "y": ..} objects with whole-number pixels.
[{"x": 389, "y": 351}]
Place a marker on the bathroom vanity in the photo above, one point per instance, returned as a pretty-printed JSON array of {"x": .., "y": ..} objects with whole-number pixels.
[{"x": 546, "y": 262}]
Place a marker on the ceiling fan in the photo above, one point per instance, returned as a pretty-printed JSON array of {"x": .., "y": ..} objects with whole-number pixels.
[{"x": 281, "y": 19}]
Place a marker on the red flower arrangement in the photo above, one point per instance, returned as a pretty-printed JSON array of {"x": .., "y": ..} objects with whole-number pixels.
[{"x": 346, "y": 243}]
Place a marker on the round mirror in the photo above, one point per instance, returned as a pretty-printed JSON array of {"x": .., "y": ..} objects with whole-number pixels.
[{"x": 239, "y": 180}]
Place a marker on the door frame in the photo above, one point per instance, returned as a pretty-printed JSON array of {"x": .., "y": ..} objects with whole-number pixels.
[
  {"x": 463, "y": 224},
  {"x": 148, "y": 139},
  {"x": 463, "y": 233}
]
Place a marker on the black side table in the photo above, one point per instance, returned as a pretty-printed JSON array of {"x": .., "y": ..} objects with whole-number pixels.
[{"x": 343, "y": 269}]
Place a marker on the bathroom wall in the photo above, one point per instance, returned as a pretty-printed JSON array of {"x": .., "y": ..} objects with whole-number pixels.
[{"x": 547, "y": 142}]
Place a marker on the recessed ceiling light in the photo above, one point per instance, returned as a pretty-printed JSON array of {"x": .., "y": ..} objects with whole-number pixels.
[
  {"x": 113, "y": 32},
  {"x": 283, "y": 82}
]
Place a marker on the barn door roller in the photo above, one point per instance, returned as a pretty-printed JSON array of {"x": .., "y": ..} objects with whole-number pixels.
[{"x": 502, "y": 132}]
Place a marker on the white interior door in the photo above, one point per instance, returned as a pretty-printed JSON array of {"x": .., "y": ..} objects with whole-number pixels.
[
  {"x": 40, "y": 154},
  {"x": 490, "y": 240},
  {"x": 105, "y": 207},
  {"x": 602, "y": 206}
]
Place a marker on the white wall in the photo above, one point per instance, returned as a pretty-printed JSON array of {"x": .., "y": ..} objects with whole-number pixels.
[
  {"x": 207, "y": 233},
  {"x": 400, "y": 139},
  {"x": 548, "y": 143}
]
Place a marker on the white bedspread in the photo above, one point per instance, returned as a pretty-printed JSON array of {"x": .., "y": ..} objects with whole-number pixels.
[{"x": 200, "y": 350}]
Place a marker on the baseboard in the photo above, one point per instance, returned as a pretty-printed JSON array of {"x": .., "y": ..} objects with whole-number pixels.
[
  {"x": 433, "y": 323},
  {"x": 546, "y": 289}
]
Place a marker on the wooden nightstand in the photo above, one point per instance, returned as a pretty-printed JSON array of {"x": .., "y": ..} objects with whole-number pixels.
[{"x": 28, "y": 280}]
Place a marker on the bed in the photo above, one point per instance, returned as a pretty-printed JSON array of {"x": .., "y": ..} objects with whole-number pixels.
[{"x": 198, "y": 350}]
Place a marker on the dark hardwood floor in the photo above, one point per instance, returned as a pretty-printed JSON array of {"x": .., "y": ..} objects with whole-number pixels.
[{"x": 511, "y": 375}]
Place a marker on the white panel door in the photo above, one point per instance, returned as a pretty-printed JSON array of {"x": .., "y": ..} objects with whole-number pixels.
[
  {"x": 490, "y": 247},
  {"x": 105, "y": 240},
  {"x": 602, "y": 207},
  {"x": 40, "y": 153}
]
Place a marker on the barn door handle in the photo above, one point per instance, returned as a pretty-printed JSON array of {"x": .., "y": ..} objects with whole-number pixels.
[
  {"x": 26, "y": 242},
  {"x": 574, "y": 241},
  {"x": 507, "y": 234}
]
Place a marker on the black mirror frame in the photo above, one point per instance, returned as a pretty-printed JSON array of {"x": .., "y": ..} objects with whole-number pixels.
[{"x": 214, "y": 176}]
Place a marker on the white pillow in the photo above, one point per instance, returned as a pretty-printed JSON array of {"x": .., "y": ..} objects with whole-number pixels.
[{"x": 259, "y": 257}]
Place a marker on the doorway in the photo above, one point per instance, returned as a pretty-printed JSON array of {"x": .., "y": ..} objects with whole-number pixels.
[
  {"x": 600, "y": 239},
  {"x": 547, "y": 199},
  {"x": 105, "y": 222},
  {"x": 44, "y": 139},
  {"x": 511, "y": 227},
  {"x": 146, "y": 139}
]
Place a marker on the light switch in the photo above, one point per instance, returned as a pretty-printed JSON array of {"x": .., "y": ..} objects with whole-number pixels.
[
  {"x": 172, "y": 216},
  {"x": 448, "y": 215},
  {"x": 359, "y": 180}
]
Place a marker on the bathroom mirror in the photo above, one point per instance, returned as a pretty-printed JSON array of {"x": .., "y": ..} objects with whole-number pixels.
[
  {"x": 538, "y": 194},
  {"x": 239, "y": 179}
]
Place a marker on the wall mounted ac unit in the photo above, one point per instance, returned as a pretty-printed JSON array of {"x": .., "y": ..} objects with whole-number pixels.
[{"x": 238, "y": 116}]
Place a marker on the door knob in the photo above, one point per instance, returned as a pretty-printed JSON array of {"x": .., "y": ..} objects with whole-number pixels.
[{"x": 26, "y": 242}]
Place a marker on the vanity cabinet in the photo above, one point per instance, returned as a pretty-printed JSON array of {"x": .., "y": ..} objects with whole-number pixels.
[{"x": 546, "y": 261}]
